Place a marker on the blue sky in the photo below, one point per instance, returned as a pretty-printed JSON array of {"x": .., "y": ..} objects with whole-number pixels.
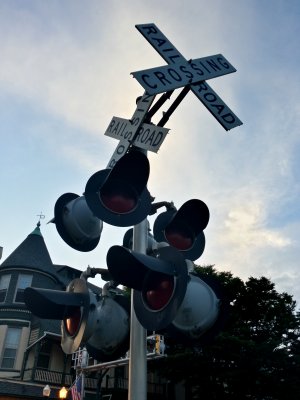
[{"x": 65, "y": 72}]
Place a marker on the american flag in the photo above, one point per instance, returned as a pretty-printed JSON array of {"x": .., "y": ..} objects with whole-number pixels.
[{"x": 77, "y": 388}]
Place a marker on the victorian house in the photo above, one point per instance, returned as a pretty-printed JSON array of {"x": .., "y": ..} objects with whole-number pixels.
[{"x": 31, "y": 358}]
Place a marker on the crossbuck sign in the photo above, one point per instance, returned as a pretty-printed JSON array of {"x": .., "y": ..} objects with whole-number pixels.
[
  {"x": 182, "y": 73},
  {"x": 179, "y": 73}
]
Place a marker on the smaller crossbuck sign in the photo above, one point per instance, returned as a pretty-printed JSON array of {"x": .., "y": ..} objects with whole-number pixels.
[
  {"x": 135, "y": 132},
  {"x": 148, "y": 137},
  {"x": 165, "y": 78}
]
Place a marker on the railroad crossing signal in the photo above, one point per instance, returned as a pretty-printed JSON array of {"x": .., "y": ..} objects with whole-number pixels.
[
  {"x": 167, "y": 294},
  {"x": 202, "y": 90}
]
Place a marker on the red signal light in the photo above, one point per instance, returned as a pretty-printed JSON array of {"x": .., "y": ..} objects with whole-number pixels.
[
  {"x": 158, "y": 290},
  {"x": 183, "y": 228},
  {"x": 181, "y": 238},
  {"x": 72, "y": 323},
  {"x": 118, "y": 197}
]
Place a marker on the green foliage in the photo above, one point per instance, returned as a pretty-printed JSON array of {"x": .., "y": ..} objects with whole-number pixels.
[{"x": 257, "y": 354}]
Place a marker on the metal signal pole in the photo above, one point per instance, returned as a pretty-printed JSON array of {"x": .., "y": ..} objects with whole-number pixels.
[{"x": 137, "y": 384}]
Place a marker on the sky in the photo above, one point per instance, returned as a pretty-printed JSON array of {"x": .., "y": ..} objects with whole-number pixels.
[{"x": 65, "y": 72}]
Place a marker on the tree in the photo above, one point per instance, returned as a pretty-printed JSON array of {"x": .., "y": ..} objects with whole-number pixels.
[{"x": 256, "y": 355}]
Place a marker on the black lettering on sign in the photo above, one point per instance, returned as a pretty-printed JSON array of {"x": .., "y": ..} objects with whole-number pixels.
[
  {"x": 111, "y": 164},
  {"x": 128, "y": 135},
  {"x": 219, "y": 107},
  {"x": 115, "y": 129},
  {"x": 150, "y": 138},
  {"x": 145, "y": 135},
  {"x": 223, "y": 63},
  {"x": 143, "y": 106},
  {"x": 187, "y": 73},
  {"x": 160, "y": 42},
  {"x": 119, "y": 128},
  {"x": 213, "y": 65},
  {"x": 111, "y": 125},
  {"x": 174, "y": 56},
  {"x": 210, "y": 97},
  {"x": 135, "y": 121},
  {"x": 149, "y": 29},
  {"x": 161, "y": 77},
  {"x": 204, "y": 66},
  {"x": 137, "y": 138},
  {"x": 120, "y": 149},
  {"x": 201, "y": 87},
  {"x": 157, "y": 139},
  {"x": 174, "y": 74},
  {"x": 139, "y": 134},
  {"x": 146, "y": 98},
  {"x": 229, "y": 118},
  {"x": 144, "y": 76},
  {"x": 143, "y": 103},
  {"x": 215, "y": 103},
  {"x": 195, "y": 68}
]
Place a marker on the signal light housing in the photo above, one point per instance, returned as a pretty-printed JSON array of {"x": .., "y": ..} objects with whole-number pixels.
[
  {"x": 128, "y": 241},
  {"x": 167, "y": 298},
  {"x": 183, "y": 229},
  {"x": 160, "y": 282},
  {"x": 75, "y": 223},
  {"x": 100, "y": 322},
  {"x": 119, "y": 196},
  {"x": 201, "y": 314}
]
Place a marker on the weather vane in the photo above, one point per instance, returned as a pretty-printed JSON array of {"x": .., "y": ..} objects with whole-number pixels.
[{"x": 41, "y": 216}]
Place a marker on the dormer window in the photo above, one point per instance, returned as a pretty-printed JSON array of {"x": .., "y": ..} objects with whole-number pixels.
[
  {"x": 4, "y": 284},
  {"x": 24, "y": 281}
]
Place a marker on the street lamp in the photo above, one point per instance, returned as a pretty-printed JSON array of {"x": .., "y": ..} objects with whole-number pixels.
[
  {"x": 63, "y": 393},
  {"x": 46, "y": 391}
]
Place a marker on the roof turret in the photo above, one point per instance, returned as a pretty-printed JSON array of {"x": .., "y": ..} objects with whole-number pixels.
[{"x": 31, "y": 253}]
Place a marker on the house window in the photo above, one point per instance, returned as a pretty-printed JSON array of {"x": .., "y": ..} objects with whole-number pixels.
[
  {"x": 4, "y": 283},
  {"x": 24, "y": 281},
  {"x": 120, "y": 377},
  {"x": 10, "y": 347},
  {"x": 44, "y": 355}
]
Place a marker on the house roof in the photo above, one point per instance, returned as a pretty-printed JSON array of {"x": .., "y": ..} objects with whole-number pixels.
[
  {"x": 31, "y": 253},
  {"x": 48, "y": 335}
]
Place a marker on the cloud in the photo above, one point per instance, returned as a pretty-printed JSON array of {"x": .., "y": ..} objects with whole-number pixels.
[
  {"x": 59, "y": 73},
  {"x": 70, "y": 65},
  {"x": 245, "y": 227}
]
